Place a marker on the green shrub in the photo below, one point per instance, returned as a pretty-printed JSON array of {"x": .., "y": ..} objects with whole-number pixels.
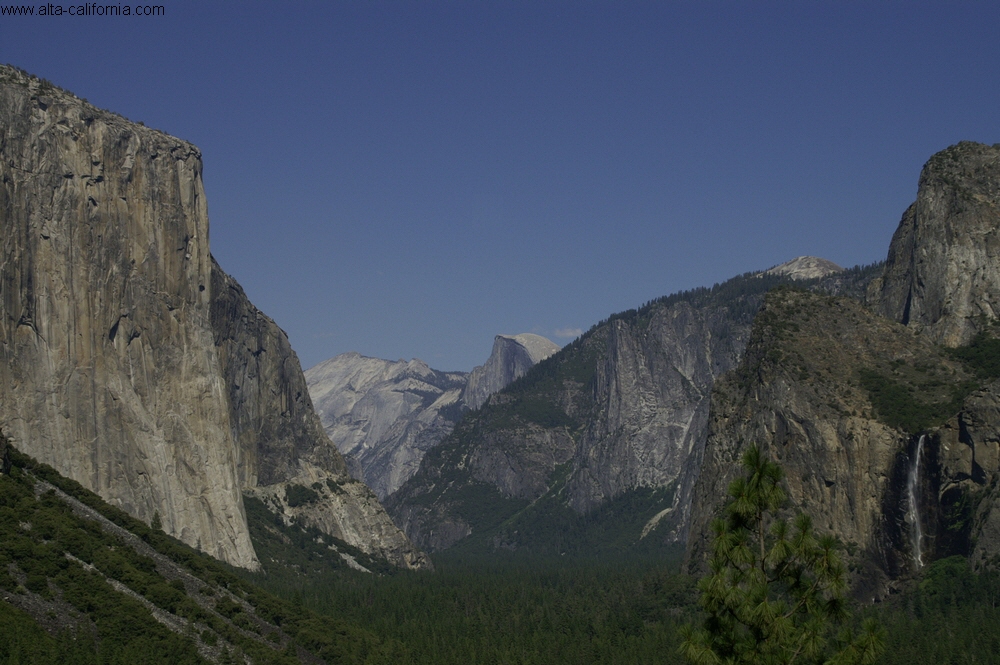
[
  {"x": 982, "y": 355},
  {"x": 897, "y": 405},
  {"x": 298, "y": 495}
]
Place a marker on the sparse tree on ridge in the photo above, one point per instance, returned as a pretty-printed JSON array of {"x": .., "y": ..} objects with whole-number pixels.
[{"x": 775, "y": 593}]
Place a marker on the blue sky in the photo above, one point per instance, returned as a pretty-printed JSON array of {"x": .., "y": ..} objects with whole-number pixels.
[{"x": 408, "y": 179}]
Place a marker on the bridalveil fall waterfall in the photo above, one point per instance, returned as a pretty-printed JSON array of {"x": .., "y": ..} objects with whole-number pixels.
[{"x": 913, "y": 507}]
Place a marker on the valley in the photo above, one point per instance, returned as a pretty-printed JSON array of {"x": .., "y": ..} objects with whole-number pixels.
[{"x": 175, "y": 488}]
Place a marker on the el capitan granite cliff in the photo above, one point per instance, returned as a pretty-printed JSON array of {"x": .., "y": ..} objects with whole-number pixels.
[{"x": 128, "y": 360}]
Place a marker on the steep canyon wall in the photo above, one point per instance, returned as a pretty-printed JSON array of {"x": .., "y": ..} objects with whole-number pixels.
[{"x": 128, "y": 360}]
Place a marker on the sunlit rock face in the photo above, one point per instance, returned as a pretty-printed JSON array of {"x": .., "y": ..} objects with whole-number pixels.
[
  {"x": 622, "y": 408},
  {"x": 797, "y": 396},
  {"x": 942, "y": 275},
  {"x": 512, "y": 357},
  {"x": 620, "y": 411},
  {"x": 652, "y": 391},
  {"x": 128, "y": 360},
  {"x": 806, "y": 267},
  {"x": 385, "y": 415},
  {"x": 109, "y": 368}
]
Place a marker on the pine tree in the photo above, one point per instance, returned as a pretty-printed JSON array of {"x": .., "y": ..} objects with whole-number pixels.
[{"x": 774, "y": 593}]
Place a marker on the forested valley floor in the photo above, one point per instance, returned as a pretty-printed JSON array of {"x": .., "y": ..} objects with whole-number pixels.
[
  {"x": 310, "y": 606},
  {"x": 508, "y": 607}
]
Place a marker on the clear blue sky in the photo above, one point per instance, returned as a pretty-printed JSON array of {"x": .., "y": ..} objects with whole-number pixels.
[{"x": 407, "y": 179}]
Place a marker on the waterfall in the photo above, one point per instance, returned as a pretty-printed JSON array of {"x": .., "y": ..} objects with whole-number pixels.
[{"x": 913, "y": 510}]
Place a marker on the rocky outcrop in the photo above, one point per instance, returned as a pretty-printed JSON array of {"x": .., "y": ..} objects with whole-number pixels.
[
  {"x": 4, "y": 454},
  {"x": 344, "y": 508},
  {"x": 271, "y": 414},
  {"x": 826, "y": 389},
  {"x": 961, "y": 497},
  {"x": 942, "y": 275},
  {"x": 512, "y": 357},
  {"x": 128, "y": 360},
  {"x": 652, "y": 390},
  {"x": 384, "y": 416},
  {"x": 279, "y": 436},
  {"x": 621, "y": 410},
  {"x": 806, "y": 267},
  {"x": 887, "y": 440}
]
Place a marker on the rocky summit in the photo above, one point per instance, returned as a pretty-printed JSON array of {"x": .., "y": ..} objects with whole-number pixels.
[
  {"x": 806, "y": 267},
  {"x": 512, "y": 357},
  {"x": 385, "y": 415},
  {"x": 129, "y": 360},
  {"x": 942, "y": 274}
]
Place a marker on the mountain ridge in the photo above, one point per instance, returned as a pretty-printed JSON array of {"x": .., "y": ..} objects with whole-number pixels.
[
  {"x": 384, "y": 415},
  {"x": 595, "y": 422}
]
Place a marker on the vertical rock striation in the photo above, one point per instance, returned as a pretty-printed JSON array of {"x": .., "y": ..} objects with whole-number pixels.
[
  {"x": 271, "y": 414},
  {"x": 622, "y": 409},
  {"x": 4, "y": 454},
  {"x": 109, "y": 370},
  {"x": 128, "y": 360},
  {"x": 652, "y": 392},
  {"x": 942, "y": 275}
]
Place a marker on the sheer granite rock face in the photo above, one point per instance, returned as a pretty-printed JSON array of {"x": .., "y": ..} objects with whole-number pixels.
[
  {"x": 4, "y": 454},
  {"x": 121, "y": 342},
  {"x": 798, "y": 394},
  {"x": 967, "y": 480},
  {"x": 652, "y": 390},
  {"x": 622, "y": 409},
  {"x": 109, "y": 372},
  {"x": 383, "y": 415},
  {"x": 279, "y": 436},
  {"x": 942, "y": 275},
  {"x": 271, "y": 414},
  {"x": 511, "y": 358}
]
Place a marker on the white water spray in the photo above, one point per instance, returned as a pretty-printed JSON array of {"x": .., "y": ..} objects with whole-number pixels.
[{"x": 913, "y": 511}]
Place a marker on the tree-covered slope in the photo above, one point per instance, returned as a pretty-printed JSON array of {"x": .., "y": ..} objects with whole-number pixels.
[{"x": 83, "y": 582}]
